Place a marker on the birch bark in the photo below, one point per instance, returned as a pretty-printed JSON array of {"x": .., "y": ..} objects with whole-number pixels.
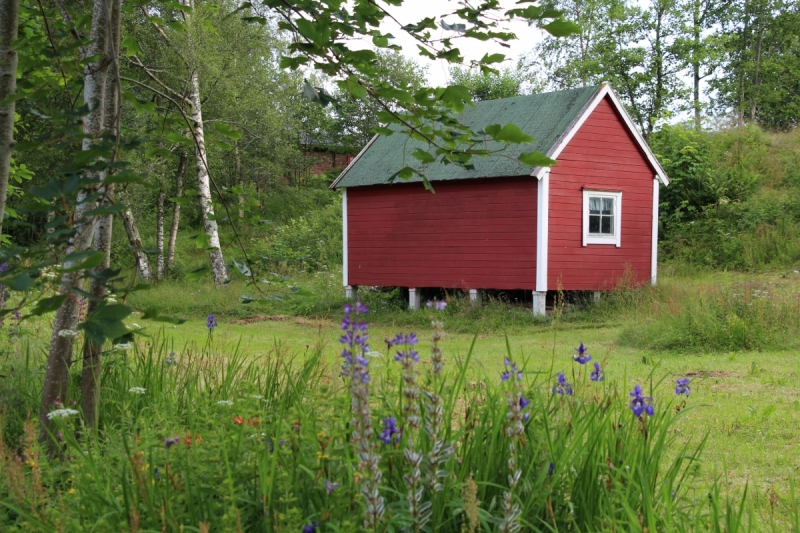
[
  {"x": 65, "y": 321},
  {"x": 176, "y": 211},
  {"x": 135, "y": 240},
  {"x": 160, "y": 235},
  {"x": 93, "y": 352},
  {"x": 9, "y": 14}
]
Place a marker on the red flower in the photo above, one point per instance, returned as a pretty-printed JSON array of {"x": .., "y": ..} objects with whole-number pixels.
[
  {"x": 253, "y": 421},
  {"x": 238, "y": 420},
  {"x": 188, "y": 440}
]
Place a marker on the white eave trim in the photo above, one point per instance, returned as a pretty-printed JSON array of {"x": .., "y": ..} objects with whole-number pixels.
[
  {"x": 353, "y": 162},
  {"x": 604, "y": 90}
]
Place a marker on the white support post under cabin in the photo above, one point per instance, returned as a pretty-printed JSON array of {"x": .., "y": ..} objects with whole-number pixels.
[
  {"x": 414, "y": 298},
  {"x": 475, "y": 296},
  {"x": 542, "y": 233}
]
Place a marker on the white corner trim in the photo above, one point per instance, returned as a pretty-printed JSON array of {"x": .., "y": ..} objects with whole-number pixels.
[
  {"x": 344, "y": 239},
  {"x": 654, "y": 253},
  {"x": 542, "y": 230},
  {"x": 616, "y": 238},
  {"x": 353, "y": 162},
  {"x": 605, "y": 90}
]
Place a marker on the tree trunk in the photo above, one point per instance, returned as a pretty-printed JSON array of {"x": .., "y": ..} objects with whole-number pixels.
[
  {"x": 9, "y": 14},
  {"x": 218, "y": 270},
  {"x": 92, "y": 351},
  {"x": 142, "y": 264},
  {"x": 238, "y": 169},
  {"x": 176, "y": 211},
  {"x": 696, "y": 29},
  {"x": 160, "y": 234},
  {"x": 59, "y": 358}
]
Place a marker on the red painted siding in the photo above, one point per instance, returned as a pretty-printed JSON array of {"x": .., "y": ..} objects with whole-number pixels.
[
  {"x": 601, "y": 155},
  {"x": 471, "y": 234}
]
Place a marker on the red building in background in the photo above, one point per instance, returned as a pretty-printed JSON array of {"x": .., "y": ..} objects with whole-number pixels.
[{"x": 581, "y": 224}]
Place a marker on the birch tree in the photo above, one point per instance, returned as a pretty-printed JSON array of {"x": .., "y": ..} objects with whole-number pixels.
[
  {"x": 176, "y": 210},
  {"x": 9, "y": 15}
]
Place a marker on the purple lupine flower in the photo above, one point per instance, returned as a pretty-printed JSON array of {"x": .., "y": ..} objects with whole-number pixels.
[
  {"x": 523, "y": 402},
  {"x": 168, "y": 443},
  {"x": 511, "y": 370},
  {"x": 597, "y": 374},
  {"x": 330, "y": 486},
  {"x": 156, "y": 474},
  {"x": 438, "y": 305},
  {"x": 640, "y": 403},
  {"x": 551, "y": 469},
  {"x": 390, "y": 431},
  {"x": 562, "y": 386},
  {"x": 311, "y": 528},
  {"x": 171, "y": 360},
  {"x": 361, "y": 309},
  {"x": 211, "y": 322},
  {"x": 582, "y": 356},
  {"x": 682, "y": 387}
]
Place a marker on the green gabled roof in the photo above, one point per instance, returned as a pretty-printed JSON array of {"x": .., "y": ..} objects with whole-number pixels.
[{"x": 546, "y": 117}]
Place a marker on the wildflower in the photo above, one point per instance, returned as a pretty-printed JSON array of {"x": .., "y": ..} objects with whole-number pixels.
[
  {"x": 390, "y": 431},
  {"x": 137, "y": 390},
  {"x": 123, "y": 346},
  {"x": 597, "y": 374},
  {"x": 511, "y": 370},
  {"x": 330, "y": 486},
  {"x": 111, "y": 300},
  {"x": 641, "y": 404},
  {"x": 582, "y": 356},
  {"x": 61, "y": 413},
  {"x": 437, "y": 304},
  {"x": 211, "y": 322},
  {"x": 225, "y": 402},
  {"x": 682, "y": 387},
  {"x": 562, "y": 386},
  {"x": 171, "y": 360},
  {"x": 67, "y": 333},
  {"x": 238, "y": 420},
  {"x": 188, "y": 440},
  {"x": 168, "y": 443},
  {"x": 156, "y": 474},
  {"x": 523, "y": 402},
  {"x": 311, "y": 528}
]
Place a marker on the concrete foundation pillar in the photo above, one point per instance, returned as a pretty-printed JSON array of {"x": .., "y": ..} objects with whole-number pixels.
[
  {"x": 350, "y": 292},
  {"x": 539, "y": 303},
  {"x": 414, "y": 298},
  {"x": 475, "y": 296},
  {"x": 596, "y": 296}
]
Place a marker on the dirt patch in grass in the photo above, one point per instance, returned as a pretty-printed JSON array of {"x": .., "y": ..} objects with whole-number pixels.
[
  {"x": 710, "y": 374},
  {"x": 301, "y": 321}
]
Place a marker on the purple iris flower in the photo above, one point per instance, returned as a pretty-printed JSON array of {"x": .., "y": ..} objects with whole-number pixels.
[
  {"x": 211, "y": 322},
  {"x": 551, "y": 469},
  {"x": 562, "y": 386},
  {"x": 390, "y": 431},
  {"x": 330, "y": 486},
  {"x": 597, "y": 373},
  {"x": 311, "y": 528},
  {"x": 682, "y": 387},
  {"x": 640, "y": 403},
  {"x": 582, "y": 356},
  {"x": 170, "y": 442}
]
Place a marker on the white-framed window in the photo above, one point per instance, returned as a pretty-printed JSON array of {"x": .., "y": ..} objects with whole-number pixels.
[{"x": 602, "y": 216}]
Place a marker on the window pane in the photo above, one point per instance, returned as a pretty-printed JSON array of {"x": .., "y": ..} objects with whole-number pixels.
[
  {"x": 608, "y": 206},
  {"x": 607, "y": 225},
  {"x": 594, "y": 223},
  {"x": 594, "y": 206}
]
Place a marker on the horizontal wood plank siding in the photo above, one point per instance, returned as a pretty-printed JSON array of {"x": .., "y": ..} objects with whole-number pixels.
[
  {"x": 471, "y": 234},
  {"x": 602, "y": 155}
]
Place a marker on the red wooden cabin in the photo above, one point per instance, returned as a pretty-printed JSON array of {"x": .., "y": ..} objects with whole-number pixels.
[{"x": 581, "y": 224}]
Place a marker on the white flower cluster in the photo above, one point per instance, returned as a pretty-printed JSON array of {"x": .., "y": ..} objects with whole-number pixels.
[
  {"x": 225, "y": 402},
  {"x": 61, "y": 413},
  {"x": 123, "y": 346},
  {"x": 137, "y": 390},
  {"x": 67, "y": 333},
  {"x": 110, "y": 299}
]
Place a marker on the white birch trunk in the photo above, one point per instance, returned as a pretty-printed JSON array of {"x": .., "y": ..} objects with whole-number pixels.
[
  {"x": 93, "y": 352},
  {"x": 9, "y": 14},
  {"x": 218, "y": 270},
  {"x": 135, "y": 240},
  {"x": 59, "y": 358},
  {"x": 160, "y": 235},
  {"x": 176, "y": 211}
]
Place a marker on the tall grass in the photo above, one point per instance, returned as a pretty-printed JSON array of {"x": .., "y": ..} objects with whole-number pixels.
[{"x": 261, "y": 445}]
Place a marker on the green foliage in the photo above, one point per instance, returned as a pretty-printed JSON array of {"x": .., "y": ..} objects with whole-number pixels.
[
  {"x": 256, "y": 440},
  {"x": 505, "y": 83}
]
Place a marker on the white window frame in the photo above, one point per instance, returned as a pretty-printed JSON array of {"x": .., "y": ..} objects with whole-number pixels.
[{"x": 616, "y": 238}]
